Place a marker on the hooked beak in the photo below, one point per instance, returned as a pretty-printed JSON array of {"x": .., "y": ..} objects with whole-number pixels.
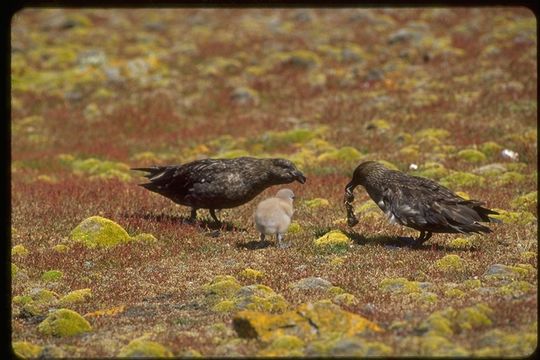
[{"x": 298, "y": 176}]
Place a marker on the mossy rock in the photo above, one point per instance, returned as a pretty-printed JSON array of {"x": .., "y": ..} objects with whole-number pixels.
[
  {"x": 19, "y": 250},
  {"x": 410, "y": 151},
  {"x": 435, "y": 345},
  {"x": 497, "y": 343},
  {"x": 311, "y": 283},
  {"x": 64, "y": 322},
  {"x": 52, "y": 275},
  {"x": 140, "y": 348},
  {"x": 505, "y": 272},
  {"x": 345, "y": 299},
  {"x": 97, "y": 231},
  {"x": 259, "y": 298},
  {"x": 317, "y": 203},
  {"x": 514, "y": 217},
  {"x": 472, "y": 155},
  {"x": 516, "y": 289},
  {"x": 491, "y": 170},
  {"x": 75, "y": 297},
  {"x": 450, "y": 263},
  {"x": 347, "y": 347},
  {"x": 473, "y": 317},
  {"x": 458, "y": 179},
  {"x": 524, "y": 202},
  {"x": 26, "y": 350},
  {"x": 333, "y": 241},
  {"x": 472, "y": 284},
  {"x": 454, "y": 293}
]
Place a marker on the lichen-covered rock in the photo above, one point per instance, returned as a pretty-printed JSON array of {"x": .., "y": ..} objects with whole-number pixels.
[
  {"x": 345, "y": 299},
  {"x": 52, "y": 275},
  {"x": 334, "y": 240},
  {"x": 516, "y": 289},
  {"x": 490, "y": 148},
  {"x": 317, "y": 203},
  {"x": 144, "y": 348},
  {"x": 222, "y": 286},
  {"x": 497, "y": 343},
  {"x": 449, "y": 321},
  {"x": 510, "y": 177},
  {"x": 514, "y": 217},
  {"x": 471, "y": 155},
  {"x": 98, "y": 231},
  {"x": 284, "y": 346},
  {"x": 76, "y": 296},
  {"x": 505, "y": 272},
  {"x": 19, "y": 250},
  {"x": 450, "y": 263},
  {"x": 434, "y": 345},
  {"x": 26, "y": 350},
  {"x": 348, "y": 347},
  {"x": 64, "y": 322},
  {"x": 309, "y": 321},
  {"x": 312, "y": 283}
]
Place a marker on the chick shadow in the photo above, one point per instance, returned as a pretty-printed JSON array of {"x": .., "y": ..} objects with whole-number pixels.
[
  {"x": 254, "y": 245},
  {"x": 399, "y": 242},
  {"x": 204, "y": 224}
]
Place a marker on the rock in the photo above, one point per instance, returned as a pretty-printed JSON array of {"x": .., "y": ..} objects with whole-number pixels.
[
  {"x": 284, "y": 346},
  {"x": 144, "y": 348},
  {"x": 403, "y": 35},
  {"x": 500, "y": 271},
  {"x": 312, "y": 283},
  {"x": 64, "y": 322},
  {"x": 349, "y": 347},
  {"x": 98, "y": 231},
  {"x": 490, "y": 169},
  {"x": 309, "y": 321}
]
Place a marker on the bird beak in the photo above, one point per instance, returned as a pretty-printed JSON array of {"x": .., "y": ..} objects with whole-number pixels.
[{"x": 298, "y": 176}]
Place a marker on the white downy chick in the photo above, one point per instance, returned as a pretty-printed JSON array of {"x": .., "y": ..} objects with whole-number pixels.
[{"x": 273, "y": 215}]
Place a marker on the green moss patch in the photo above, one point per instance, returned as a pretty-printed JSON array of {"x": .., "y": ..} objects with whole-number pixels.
[
  {"x": 19, "y": 250},
  {"x": 333, "y": 241},
  {"x": 458, "y": 179},
  {"x": 76, "y": 296},
  {"x": 450, "y": 263},
  {"x": 26, "y": 350},
  {"x": 52, "y": 275},
  {"x": 514, "y": 217},
  {"x": 64, "y": 322},
  {"x": 97, "y": 231},
  {"x": 144, "y": 348},
  {"x": 471, "y": 155}
]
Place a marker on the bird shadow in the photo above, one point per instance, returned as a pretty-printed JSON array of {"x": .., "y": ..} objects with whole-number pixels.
[
  {"x": 254, "y": 245},
  {"x": 398, "y": 242},
  {"x": 206, "y": 224}
]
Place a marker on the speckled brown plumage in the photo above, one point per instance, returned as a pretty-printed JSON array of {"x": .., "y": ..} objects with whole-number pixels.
[
  {"x": 416, "y": 202},
  {"x": 219, "y": 183}
]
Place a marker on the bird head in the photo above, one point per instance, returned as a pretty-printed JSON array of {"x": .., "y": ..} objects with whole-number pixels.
[
  {"x": 285, "y": 172},
  {"x": 285, "y": 194}
]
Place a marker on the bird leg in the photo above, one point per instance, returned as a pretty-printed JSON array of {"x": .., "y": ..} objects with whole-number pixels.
[
  {"x": 424, "y": 236},
  {"x": 213, "y": 215},
  {"x": 193, "y": 216},
  {"x": 281, "y": 243}
]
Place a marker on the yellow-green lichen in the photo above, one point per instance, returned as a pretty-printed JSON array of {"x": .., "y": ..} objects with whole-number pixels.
[
  {"x": 527, "y": 255},
  {"x": 458, "y": 179},
  {"x": 26, "y": 350},
  {"x": 19, "y": 250},
  {"x": 490, "y": 148},
  {"x": 251, "y": 274},
  {"x": 461, "y": 243},
  {"x": 516, "y": 288},
  {"x": 510, "y": 177},
  {"x": 473, "y": 317},
  {"x": 436, "y": 345},
  {"x": 432, "y": 170},
  {"x": 524, "y": 202},
  {"x": 224, "y": 306},
  {"x": 400, "y": 286},
  {"x": 454, "y": 292},
  {"x": 223, "y": 286},
  {"x": 64, "y": 322},
  {"x": 145, "y": 237},
  {"x": 76, "y": 296},
  {"x": 52, "y": 275},
  {"x": 284, "y": 346},
  {"x": 317, "y": 202},
  {"x": 345, "y": 299},
  {"x": 60, "y": 248},
  {"x": 450, "y": 263},
  {"x": 144, "y": 348},
  {"x": 515, "y": 217},
  {"x": 98, "y": 231},
  {"x": 334, "y": 240},
  {"x": 472, "y": 283},
  {"x": 294, "y": 228}
]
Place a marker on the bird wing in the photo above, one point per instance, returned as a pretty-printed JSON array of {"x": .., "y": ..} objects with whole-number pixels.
[{"x": 424, "y": 204}]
